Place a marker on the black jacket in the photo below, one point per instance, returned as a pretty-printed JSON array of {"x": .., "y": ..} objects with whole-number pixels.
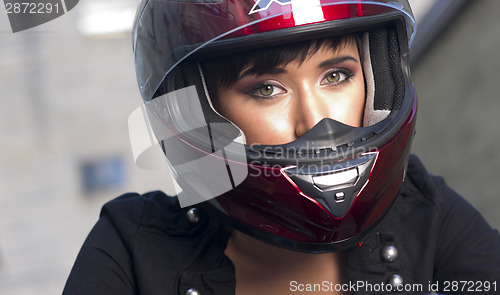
[{"x": 144, "y": 244}]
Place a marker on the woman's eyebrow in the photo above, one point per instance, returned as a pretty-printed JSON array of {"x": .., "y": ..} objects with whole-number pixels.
[
  {"x": 327, "y": 63},
  {"x": 336, "y": 60},
  {"x": 253, "y": 71}
]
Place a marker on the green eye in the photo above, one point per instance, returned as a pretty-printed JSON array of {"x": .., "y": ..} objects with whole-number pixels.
[
  {"x": 337, "y": 77},
  {"x": 333, "y": 77},
  {"x": 266, "y": 90}
]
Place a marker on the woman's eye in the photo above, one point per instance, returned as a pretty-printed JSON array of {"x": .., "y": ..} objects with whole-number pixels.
[
  {"x": 266, "y": 91},
  {"x": 336, "y": 77}
]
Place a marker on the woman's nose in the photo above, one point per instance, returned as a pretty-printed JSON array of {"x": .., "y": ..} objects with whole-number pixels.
[{"x": 309, "y": 110}]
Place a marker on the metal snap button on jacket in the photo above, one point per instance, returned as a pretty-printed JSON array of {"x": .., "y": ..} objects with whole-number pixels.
[
  {"x": 193, "y": 215},
  {"x": 192, "y": 291},
  {"x": 395, "y": 281},
  {"x": 389, "y": 253}
]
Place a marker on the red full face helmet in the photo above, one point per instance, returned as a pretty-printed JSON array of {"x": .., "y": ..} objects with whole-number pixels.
[{"x": 324, "y": 191}]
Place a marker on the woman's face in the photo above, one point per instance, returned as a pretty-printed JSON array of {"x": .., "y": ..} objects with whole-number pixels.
[{"x": 281, "y": 105}]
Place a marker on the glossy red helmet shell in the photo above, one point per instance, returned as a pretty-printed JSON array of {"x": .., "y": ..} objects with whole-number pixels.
[{"x": 326, "y": 190}]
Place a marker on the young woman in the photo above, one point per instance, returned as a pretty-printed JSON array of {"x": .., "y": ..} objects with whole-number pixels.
[{"x": 288, "y": 125}]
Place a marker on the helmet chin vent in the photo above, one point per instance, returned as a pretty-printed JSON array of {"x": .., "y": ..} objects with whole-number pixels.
[{"x": 334, "y": 186}]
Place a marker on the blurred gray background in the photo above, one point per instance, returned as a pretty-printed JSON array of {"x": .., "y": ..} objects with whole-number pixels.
[
  {"x": 67, "y": 88},
  {"x": 457, "y": 80}
]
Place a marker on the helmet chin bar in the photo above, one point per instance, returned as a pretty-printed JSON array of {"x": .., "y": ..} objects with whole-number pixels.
[
  {"x": 330, "y": 164},
  {"x": 334, "y": 186}
]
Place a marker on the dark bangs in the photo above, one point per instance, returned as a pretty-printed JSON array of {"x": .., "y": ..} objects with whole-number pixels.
[{"x": 225, "y": 71}]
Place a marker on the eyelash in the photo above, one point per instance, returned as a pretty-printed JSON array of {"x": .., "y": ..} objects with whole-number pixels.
[{"x": 348, "y": 74}]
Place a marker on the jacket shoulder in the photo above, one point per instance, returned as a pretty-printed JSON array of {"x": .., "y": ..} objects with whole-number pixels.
[
  {"x": 465, "y": 245},
  {"x": 421, "y": 184},
  {"x": 154, "y": 210}
]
